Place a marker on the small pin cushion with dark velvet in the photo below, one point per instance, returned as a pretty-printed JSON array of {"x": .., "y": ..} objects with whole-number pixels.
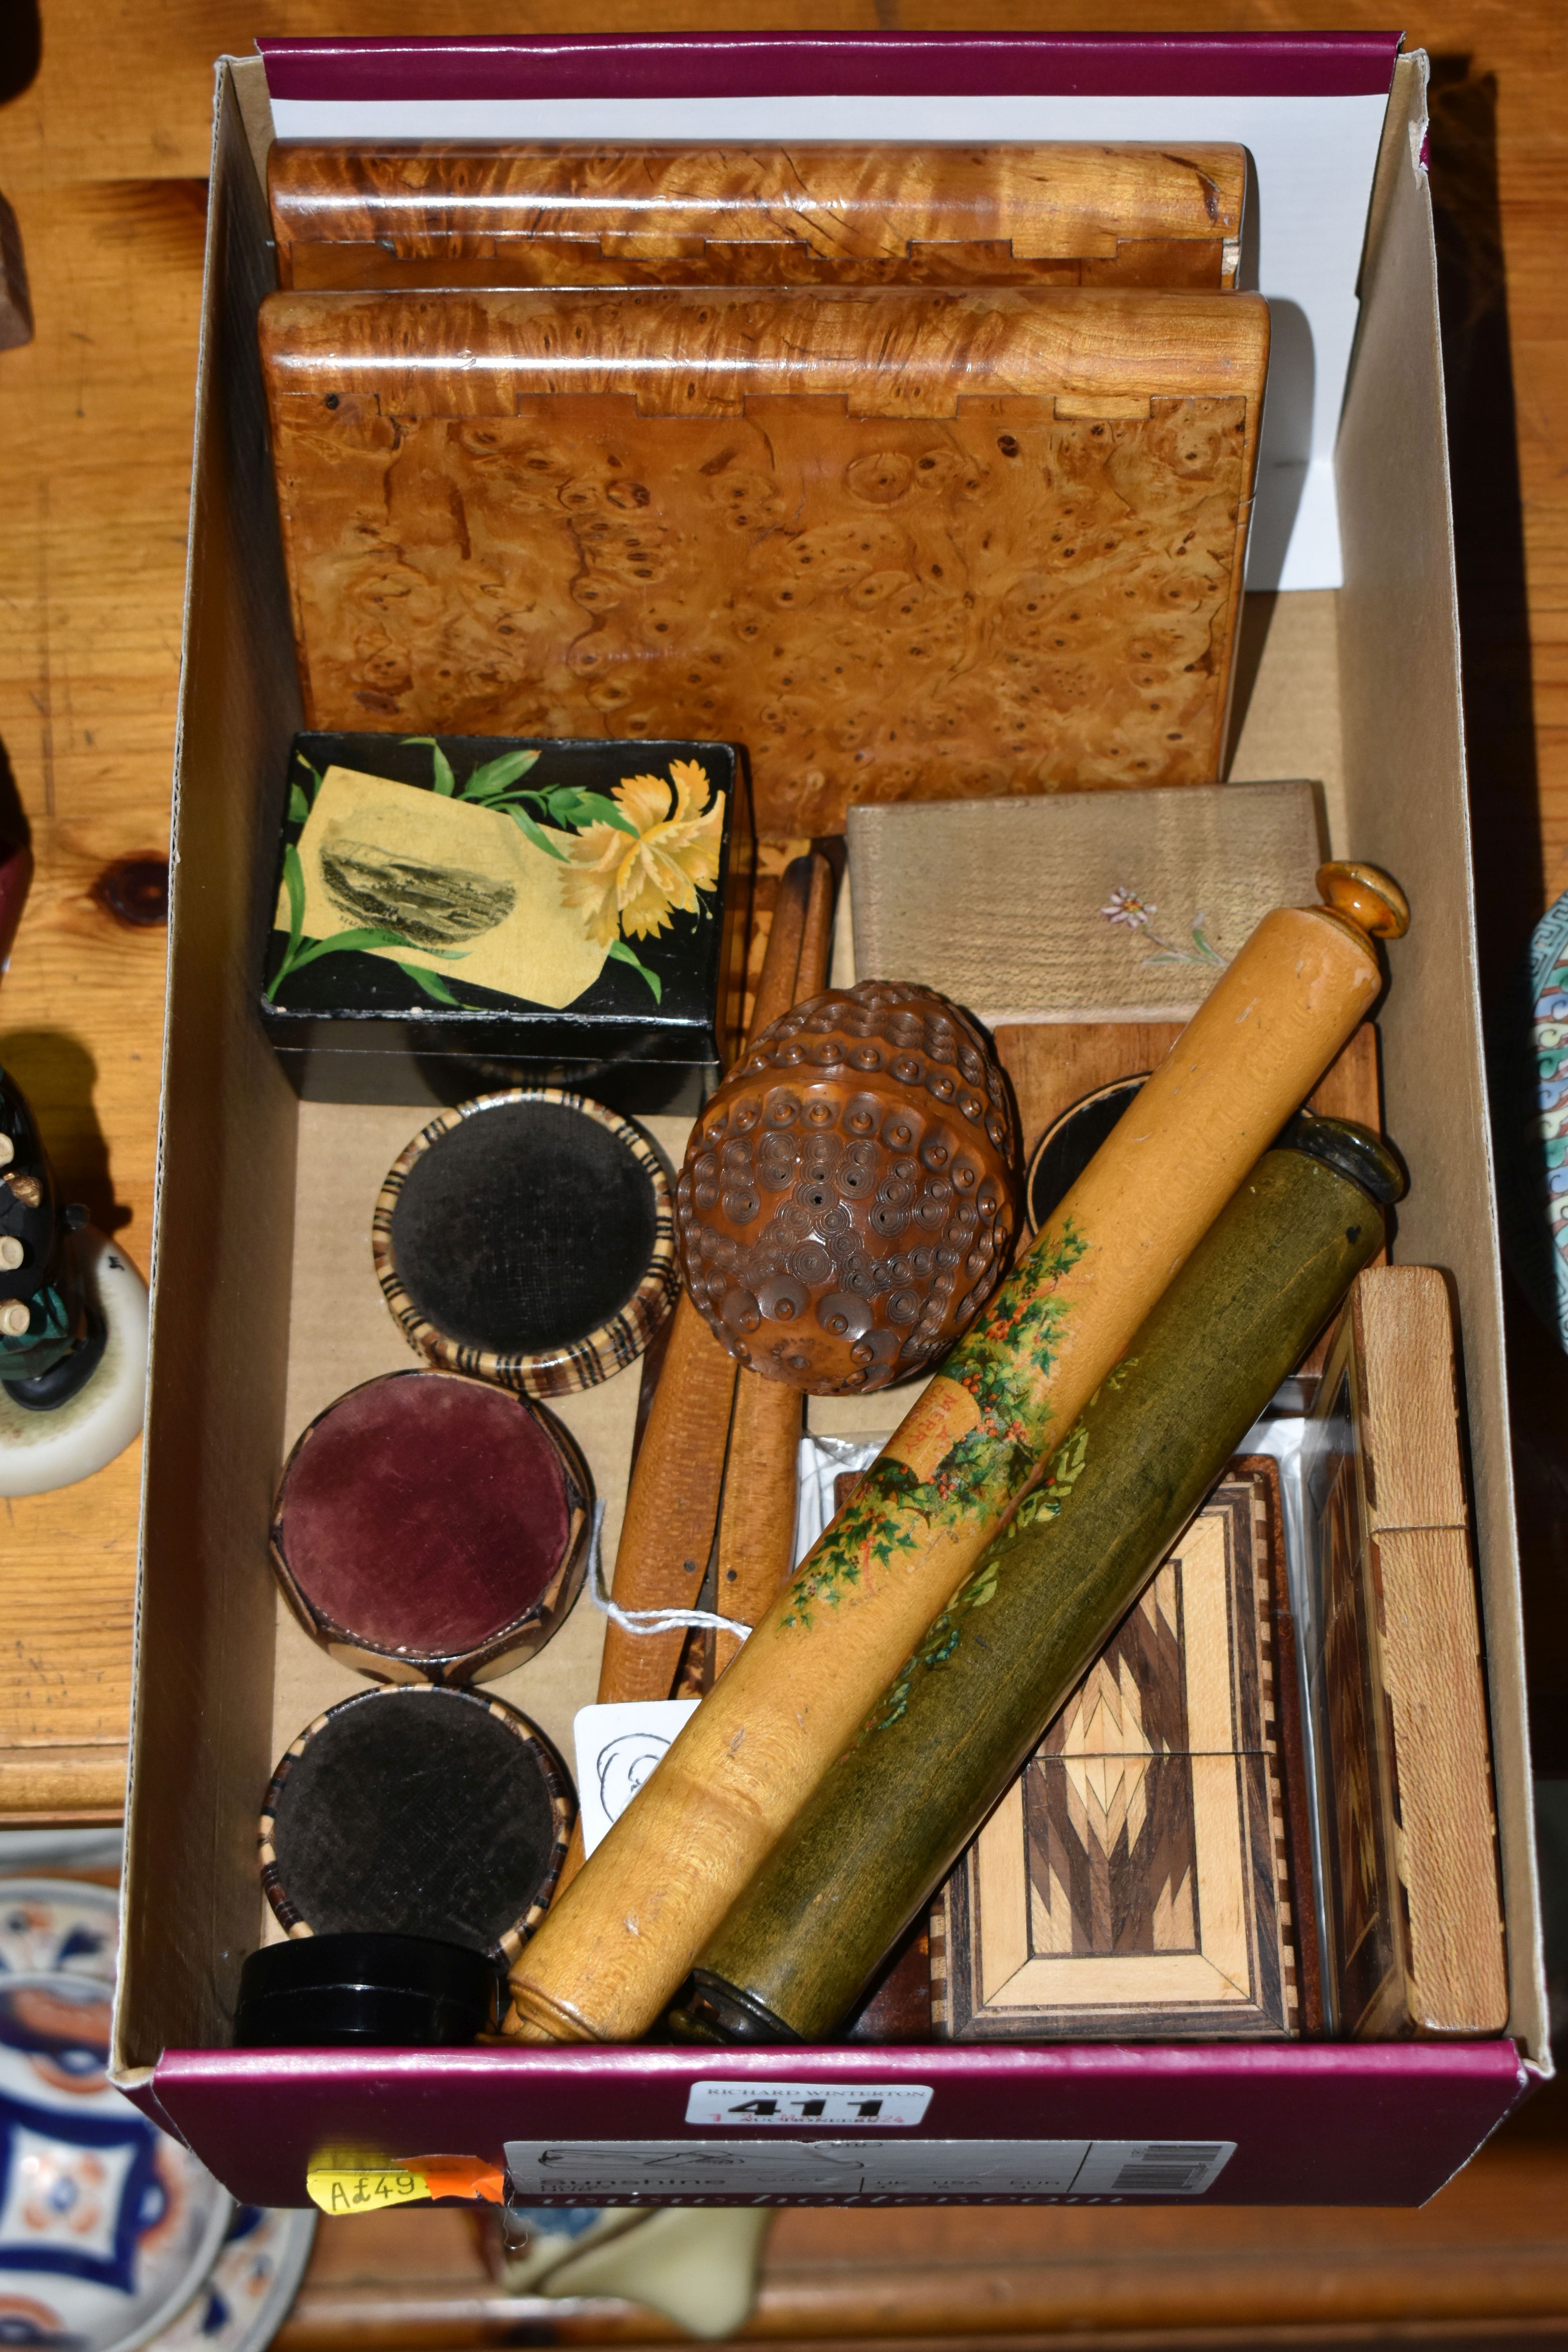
[
  {"x": 1070, "y": 1142},
  {"x": 526, "y": 1238},
  {"x": 417, "y": 1812},
  {"x": 432, "y": 1529},
  {"x": 849, "y": 1199}
]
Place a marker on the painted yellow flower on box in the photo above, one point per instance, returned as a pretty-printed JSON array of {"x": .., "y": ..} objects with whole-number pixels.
[{"x": 631, "y": 876}]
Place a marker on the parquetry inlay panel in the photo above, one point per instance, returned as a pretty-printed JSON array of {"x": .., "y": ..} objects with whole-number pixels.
[{"x": 1136, "y": 1876}]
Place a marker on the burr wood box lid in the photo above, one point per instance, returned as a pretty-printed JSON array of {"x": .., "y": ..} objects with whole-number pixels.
[
  {"x": 442, "y": 906},
  {"x": 897, "y": 540},
  {"x": 266, "y": 1308},
  {"x": 572, "y": 213}
]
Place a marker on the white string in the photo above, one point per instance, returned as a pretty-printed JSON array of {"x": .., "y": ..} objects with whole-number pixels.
[{"x": 647, "y": 1621}]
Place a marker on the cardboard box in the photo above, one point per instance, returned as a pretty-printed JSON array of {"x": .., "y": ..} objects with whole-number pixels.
[{"x": 265, "y": 1307}]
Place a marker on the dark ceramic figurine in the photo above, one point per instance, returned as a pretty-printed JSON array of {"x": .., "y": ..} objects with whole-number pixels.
[
  {"x": 51, "y": 1340},
  {"x": 73, "y": 1324}
]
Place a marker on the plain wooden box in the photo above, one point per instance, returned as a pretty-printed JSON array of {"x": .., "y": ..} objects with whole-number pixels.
[{"x": 1361, "y": 687}]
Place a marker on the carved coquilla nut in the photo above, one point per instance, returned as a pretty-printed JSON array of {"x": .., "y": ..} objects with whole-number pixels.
[{"x": 850, "y": 1196}]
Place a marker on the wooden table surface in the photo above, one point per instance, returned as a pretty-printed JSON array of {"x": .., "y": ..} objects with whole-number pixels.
[{"x": 103, "y": 150}]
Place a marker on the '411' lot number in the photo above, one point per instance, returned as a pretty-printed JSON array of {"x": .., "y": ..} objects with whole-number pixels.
[{"x": 861, "y": 2104}]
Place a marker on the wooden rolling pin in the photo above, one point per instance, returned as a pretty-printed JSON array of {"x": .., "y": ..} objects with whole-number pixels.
[{"x": 615, "y": 1949}]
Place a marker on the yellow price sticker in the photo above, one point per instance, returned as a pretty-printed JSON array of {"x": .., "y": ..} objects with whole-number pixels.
[
  {"x": 365, "y": 2192},
  {"x": 371, "y": 2188}
]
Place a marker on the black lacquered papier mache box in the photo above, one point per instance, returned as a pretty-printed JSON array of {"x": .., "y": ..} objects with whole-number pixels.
[{"x": 451, "y": 913}]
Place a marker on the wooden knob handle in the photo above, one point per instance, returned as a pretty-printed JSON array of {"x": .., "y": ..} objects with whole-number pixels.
[
  {"x": 1367, "y": 896},
  {"x": 14, "y": 1318}
]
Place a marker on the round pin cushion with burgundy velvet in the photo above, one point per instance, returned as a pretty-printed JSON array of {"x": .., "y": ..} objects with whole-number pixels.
[{"x": 432, "y": 1529}]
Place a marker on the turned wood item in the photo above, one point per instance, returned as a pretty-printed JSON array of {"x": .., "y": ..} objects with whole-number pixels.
[
  {"x": 482, "y": 213},
  {"x": 672, "y": 1505},
  {"x": 756, "y": 1522},
  {"x": 432, "y": 1528},
  {"x": 1057, "y": 1067},
  {"x": 757, "y": 1516},
  {"x": 849, "y": 1195},
  {"x": 903, "y": 544},
  {"x": 950, "y": 1733},
  {"x": 652, "y": 1892},
  {"x": 1409, "y": 1832}
]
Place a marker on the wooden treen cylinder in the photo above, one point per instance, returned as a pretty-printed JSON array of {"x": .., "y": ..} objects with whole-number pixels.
[
  {"x": 672, "y": 1505},
  {"x": 756, "y": 1525},
  {"x": 960, "y": 1718},
  {"x": 615, "y": 1948}
]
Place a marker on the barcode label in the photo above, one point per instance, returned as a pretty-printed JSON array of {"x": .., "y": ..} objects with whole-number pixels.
[
  {"x": 789, "y": 2171},
  {"x": 1152, "y": 2167}
]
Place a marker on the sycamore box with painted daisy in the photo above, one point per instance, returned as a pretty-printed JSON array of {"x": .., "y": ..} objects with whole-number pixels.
[{"x": 452, "y": 911}]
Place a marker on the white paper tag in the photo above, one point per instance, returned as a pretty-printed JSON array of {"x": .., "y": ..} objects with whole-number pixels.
[
  {"x": 617, "y": 1748},
  {"x": 834, "y": 2105},
  {"x": 623, "y": 2172}
]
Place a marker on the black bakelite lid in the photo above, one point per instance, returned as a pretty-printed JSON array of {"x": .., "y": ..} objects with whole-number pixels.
[
  {"x": 1350, "y": 1150},
  {"x": 316, "y": 1992}
]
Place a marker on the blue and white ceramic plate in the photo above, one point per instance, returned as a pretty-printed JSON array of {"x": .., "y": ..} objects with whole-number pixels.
[
  {"x": 58, "y": 1927},
  {"x": 107, "y": 2227},
  {"x": 245, "y": 2298}
]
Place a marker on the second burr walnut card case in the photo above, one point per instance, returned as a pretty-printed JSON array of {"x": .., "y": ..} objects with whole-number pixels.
[
  {"x": 360, "y": 213},
  {"x": 901, "y": 543}
]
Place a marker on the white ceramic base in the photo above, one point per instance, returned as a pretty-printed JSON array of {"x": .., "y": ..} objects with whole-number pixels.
[
  {"x": 41, "y": 1451},
  {"x": 697, "y": 2265}
]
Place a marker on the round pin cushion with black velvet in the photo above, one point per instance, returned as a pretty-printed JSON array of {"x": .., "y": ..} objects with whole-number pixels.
[
  {"x": 431, "y": 1528},
  {"x": 1070, "y": 1142},
  {"x": 527, "y": 1238},
  {"x": 418, "y": 1810}
]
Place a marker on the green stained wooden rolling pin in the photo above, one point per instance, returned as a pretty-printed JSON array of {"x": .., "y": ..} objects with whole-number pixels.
[{"x": 807, "y": 1935}]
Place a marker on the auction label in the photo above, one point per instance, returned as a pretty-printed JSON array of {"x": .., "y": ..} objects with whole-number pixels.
[{"x": 836, "y": 2105}]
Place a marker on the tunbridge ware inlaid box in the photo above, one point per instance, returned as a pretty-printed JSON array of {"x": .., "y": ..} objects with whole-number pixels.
[
  {"x": 493, "y": 213},
  {"x": 1138, "y": 1880},
  {"x": 902, "y": 543},
  {"x": 266, "y": 1306}
]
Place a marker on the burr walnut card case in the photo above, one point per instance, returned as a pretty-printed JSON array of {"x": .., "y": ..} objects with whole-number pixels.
[
  {"x": 901, "y": 544},
  {"x": 570, "y": 213}
]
